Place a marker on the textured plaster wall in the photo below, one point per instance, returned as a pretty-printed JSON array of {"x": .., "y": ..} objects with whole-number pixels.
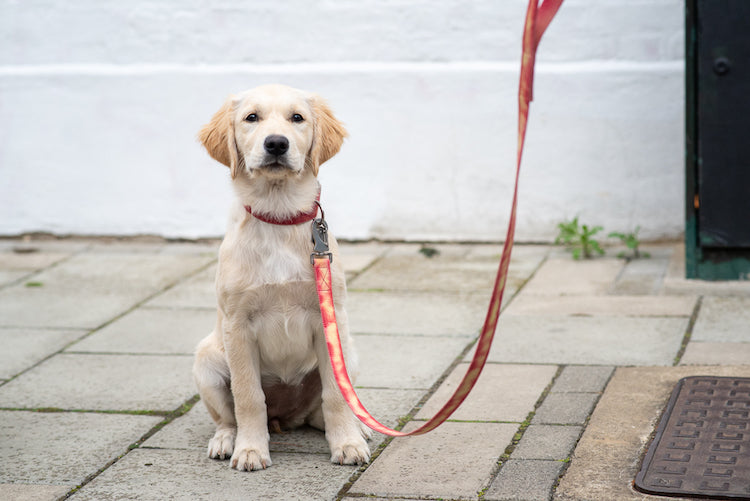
[{"x": 100, "y": 102}]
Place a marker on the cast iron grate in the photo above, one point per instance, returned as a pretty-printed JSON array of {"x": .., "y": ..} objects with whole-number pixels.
[{"x": 702, "y": 444}]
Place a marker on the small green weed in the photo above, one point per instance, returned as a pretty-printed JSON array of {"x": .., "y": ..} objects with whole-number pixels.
[
  {"x": 34, "y": 284},
  {"x": 429, "y": 251},
  {"x": 578, "y": 239},
  {"x": 632, "y": 242}
]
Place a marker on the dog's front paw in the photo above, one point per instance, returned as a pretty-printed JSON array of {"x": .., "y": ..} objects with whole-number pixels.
[
  {"x": 247, "y": 459},
  {"x": 353, "y": 452},
  {"x": 221, "y": 445}
]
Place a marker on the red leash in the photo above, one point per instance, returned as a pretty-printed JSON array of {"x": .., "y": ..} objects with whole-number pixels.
[{"x": 537, "y": 20}]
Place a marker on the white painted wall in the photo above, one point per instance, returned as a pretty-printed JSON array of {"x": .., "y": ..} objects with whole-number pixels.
[{"x": 100, "y": 102}]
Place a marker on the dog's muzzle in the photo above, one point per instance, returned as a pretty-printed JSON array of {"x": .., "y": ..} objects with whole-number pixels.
[{"x": 276, "y": 147}]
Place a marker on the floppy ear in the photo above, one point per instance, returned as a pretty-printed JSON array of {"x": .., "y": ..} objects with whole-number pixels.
[
  {"x": 217, "y": 136},
  {"x": 328, "y": 134}
]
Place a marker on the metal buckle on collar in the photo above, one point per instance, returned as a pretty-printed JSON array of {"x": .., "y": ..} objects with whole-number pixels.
[{"x": 320, "y": 237}]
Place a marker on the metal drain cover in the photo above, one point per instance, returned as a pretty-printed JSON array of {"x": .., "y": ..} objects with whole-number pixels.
[{"x": 702, "y": 444}]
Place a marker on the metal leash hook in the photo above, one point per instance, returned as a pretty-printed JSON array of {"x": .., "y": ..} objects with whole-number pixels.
[{"x": 320, "y": 237}]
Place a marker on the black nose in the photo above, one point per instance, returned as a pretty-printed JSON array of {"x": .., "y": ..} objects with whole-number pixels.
[{"x": 276, "y": 144}]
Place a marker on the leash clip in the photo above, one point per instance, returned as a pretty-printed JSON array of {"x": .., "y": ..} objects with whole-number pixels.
[{"x": 320, "y": 238}]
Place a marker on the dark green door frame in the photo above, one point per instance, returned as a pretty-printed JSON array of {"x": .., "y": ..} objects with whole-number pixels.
[{"x": 717, "y": 156}]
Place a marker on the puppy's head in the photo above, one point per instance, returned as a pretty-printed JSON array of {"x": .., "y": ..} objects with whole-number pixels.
[{"x": 273, "y": 131}]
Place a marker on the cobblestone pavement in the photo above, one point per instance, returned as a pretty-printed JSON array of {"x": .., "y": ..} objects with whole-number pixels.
[{"x": 97, "y": 400}]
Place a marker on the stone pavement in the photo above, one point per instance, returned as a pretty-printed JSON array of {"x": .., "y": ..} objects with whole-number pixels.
[{"x": 97, "y": 401}]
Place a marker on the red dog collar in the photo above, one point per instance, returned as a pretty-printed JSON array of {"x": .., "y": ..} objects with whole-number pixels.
[{"x": 302, "y": 217}]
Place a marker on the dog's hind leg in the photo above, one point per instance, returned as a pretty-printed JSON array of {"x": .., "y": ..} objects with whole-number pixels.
[{"x": 211, "y": 374}]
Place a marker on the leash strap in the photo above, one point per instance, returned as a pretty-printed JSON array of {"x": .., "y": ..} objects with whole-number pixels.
[{"x": 537, "y": 19}]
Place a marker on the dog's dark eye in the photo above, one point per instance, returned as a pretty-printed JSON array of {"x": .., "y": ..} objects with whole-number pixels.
[
  {"x": 298, "y": 118},
  {"x": 252, "y": 117}
]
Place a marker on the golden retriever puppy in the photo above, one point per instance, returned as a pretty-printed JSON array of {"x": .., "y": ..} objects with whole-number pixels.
[{"x": 266, "y": 362}]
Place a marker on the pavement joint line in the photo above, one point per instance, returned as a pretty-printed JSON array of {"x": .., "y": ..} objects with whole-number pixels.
[
  {"x": 128, "y": 354},
  {"x": 59, "y": 410},
  {"x": 168, "y": 418},
  {"x": 566, "y": 462},
  {"x": 57, "y": 263},
  {"x": 688, "y": 331},
  {"x": 375, "y": 261},
  {"x": 90, "y": 332},
  {"x": 505, "y": 456},
  {"x": 613, "y": 286},
  {"x": 520, "y": 288}
]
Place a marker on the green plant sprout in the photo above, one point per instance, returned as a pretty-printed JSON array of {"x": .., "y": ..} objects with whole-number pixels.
[
  {"x": 428, "y": 251},
  {"x": 632, "y": 242},
  {"x": 578, "y": 239}
]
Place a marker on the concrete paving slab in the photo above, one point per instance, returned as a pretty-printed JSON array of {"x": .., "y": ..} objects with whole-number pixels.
[
  {"x": 609, "y": 453},
  {"x": 63, "y": 448},
  {"x": 46, "y": 306},
  {"x": 198, "y": 291},
  {"x": 122, "y": 271},
  {"x": 525, "y": 259},
  {"x": 547, "y": 442},
  {"x": 702, "y": 353},
  {"x": 89, "y": 289},
  {"x": 449, "y": 250},
  {"x": 582, "y": 379},
  {"x": 103, "y": 382},
  {"x": 725, "y": 319},
  {"x": 419, "y": 273},
  {"x": 587, "y": 340},
  {"x": 642, "y": 276},
  {"x": 23, "y": 348},
  {"x": 524, "y": 481},
  {"x": 559, "y": 276},
  {"x": 151, "y": 330},
  {"x": 357, "y": 256},
  {"x": 405, "y": 361},
  {"x": 627, "y": 306},
  {"x": 502, "y": 393},
  {"x": 427, "y": 314},
  {"x": 454, "y": 461},
  {"x": 389, "y": 405},
  {"x": 565, "y": 408},
  {"x": 154, "y": 474},
  {"x": 18, "y": 492}
]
